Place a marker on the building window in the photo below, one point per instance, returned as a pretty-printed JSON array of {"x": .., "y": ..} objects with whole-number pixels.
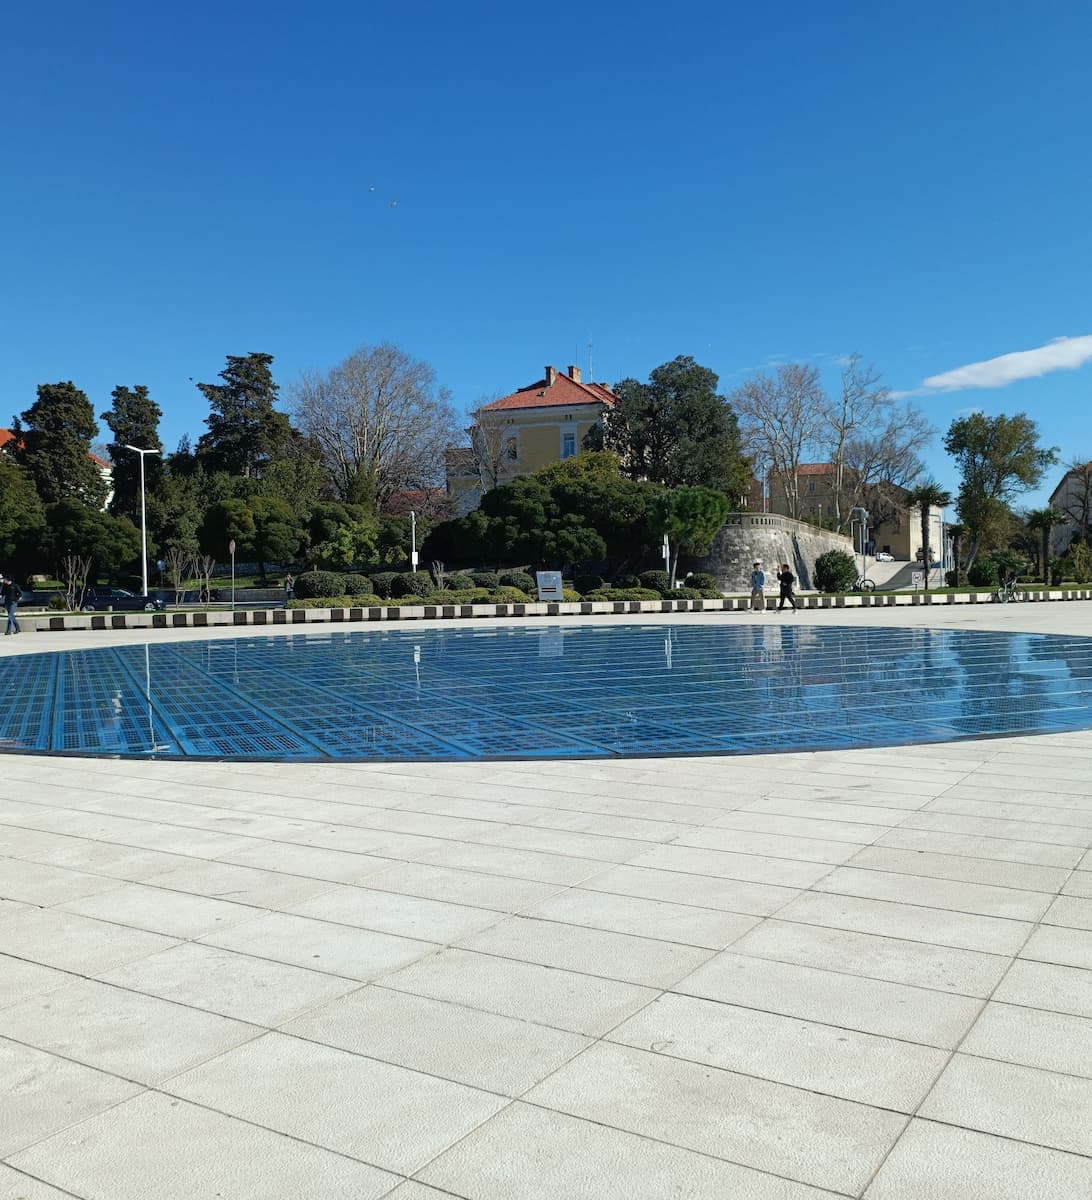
[
  {"x": 511, "y": 450},
  {"x": 568, "y": 445},
  {"x": 811, "y": 486}
]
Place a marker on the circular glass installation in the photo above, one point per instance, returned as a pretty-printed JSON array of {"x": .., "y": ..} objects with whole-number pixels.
[{"x": 558, "y": 691}]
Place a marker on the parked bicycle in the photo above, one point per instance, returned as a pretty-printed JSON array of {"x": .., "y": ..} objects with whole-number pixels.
[
  {"x": 1007, "y": 590},
  {"x": 864, "y": 584}
]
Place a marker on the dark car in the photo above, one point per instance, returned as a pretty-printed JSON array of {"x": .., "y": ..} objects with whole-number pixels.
[{"x": 100, "y": 599}]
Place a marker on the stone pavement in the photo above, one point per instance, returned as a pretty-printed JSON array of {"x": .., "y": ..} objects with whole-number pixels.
[{"x": 783, "y": 977}]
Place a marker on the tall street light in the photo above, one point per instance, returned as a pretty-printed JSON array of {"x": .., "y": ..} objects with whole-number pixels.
[{"x": 143, "y": 521}]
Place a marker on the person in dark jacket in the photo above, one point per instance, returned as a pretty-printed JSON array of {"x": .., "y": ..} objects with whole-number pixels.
[
  {"x": 10, "y": 593},
  {"x": 786, "y": 579}
]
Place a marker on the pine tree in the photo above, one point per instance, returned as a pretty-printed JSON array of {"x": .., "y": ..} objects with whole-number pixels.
[
  {"x": 245, "y": 430},
  {"x": 53, "y": 444},
  {"x": 134, "y": 421}
]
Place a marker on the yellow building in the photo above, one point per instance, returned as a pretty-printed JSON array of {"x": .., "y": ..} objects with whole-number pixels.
[{"x": 540, "y": 424}]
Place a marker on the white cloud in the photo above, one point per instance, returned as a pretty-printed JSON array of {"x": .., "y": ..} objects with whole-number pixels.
[{"x": 1061, "y": 354}]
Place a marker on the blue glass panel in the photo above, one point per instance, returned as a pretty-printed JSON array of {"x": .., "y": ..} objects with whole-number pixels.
[{"x": 558, "y": 691}]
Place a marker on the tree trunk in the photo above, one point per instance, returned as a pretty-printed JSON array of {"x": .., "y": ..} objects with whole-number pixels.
[{"x": 925, "y": 542}]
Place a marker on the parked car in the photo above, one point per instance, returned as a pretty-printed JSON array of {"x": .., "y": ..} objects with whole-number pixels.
[
  {"x": 883, "y": 556},
  {"x": 100, "y": 599}
]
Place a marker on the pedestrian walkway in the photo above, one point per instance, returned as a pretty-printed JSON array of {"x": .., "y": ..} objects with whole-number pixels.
[{"x": 783, "y": 977}]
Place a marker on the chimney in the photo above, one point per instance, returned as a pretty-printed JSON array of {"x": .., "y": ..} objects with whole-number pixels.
[
  {"x": 574, "y": 374},
  {"x": 551, "y": 375}
]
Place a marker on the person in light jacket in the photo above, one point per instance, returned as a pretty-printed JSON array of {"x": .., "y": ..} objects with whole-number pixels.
[{"x": 758, "y": 584}]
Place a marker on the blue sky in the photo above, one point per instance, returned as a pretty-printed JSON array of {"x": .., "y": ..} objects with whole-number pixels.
[{"x": 743, "y": 183}]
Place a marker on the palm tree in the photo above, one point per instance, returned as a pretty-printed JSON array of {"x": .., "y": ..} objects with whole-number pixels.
[
  {"x": 926, "y": 496},
  {"x": 1044, "y": 520}
]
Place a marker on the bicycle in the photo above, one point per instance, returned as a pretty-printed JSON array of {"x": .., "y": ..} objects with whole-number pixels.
[
  {"x": 1007, "y": 590},
  {"x": 864, "y": 584}
]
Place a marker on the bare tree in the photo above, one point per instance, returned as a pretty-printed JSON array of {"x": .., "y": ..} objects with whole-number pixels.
[
  {"x": 489, "y": 438},
  {"x": 179, "y": 565},
  {"x": 74, "y": 572},
  {"x": 875, "y": 443},
  {"x": 781, "y": 420},
  {"x": 202, "y": 568},
  {"x": 381, "y": 422}
]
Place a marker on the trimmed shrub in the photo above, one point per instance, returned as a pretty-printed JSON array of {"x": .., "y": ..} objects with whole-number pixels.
[
  {"x": 570, "y": 596},
  {"x": 357, "y": 585},
  {"x": 412, "y": 583},
  {"x": 658, "y": 581},
  {"x": 485, "y": 579},
  {"x": 57, "y": 604},
  {"x": 461, "y": 582},
  {"x": 509, "y": 595},
  {"x": 382, "y": 581},
  {"x": 686, "y": 593},
  {"x": 470, "y": 595},
  {"x": 317, "y": 584},
  {"x": 983, "y": 573},
  {"x": 626, "y": 581},
  {"x": 588, "y": 583},
  {"x": 624, "y": 594},
  {"x": 703, "y": 581},
  {"x": 522, "y": 580},
  {"x": 364, "y": 601},
  {"x": 835, "y": 571}
]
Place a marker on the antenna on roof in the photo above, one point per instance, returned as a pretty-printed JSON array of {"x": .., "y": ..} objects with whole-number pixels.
[{"x": 591, "y": 373}]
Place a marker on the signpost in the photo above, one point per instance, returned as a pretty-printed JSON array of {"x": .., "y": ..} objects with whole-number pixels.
[
  {"x": 549, "y": 585},
  {"x": 413, "y": 541}
]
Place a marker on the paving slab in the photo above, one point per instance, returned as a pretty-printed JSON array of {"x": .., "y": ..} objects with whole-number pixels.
[
  {"x": 945, "y": 1162},
  {"x": 157, "y": 1145},
  {"x": 481, "y": 1049},
  {"x": 797, "y": 1134},
  {"x": 308, "y": 1090}
]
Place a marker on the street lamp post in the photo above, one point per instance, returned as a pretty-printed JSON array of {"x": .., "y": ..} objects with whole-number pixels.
[
  {"x": 143, "y": 520},
  {"x": 413, "y": 541}
]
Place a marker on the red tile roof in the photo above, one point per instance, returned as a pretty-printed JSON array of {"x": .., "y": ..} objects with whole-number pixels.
[{"x": 560, "y": 392}]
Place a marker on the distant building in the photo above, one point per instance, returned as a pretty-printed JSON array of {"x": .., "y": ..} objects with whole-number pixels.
[
  {"x": 1072, "y": 496},
  {"x": 542, "y": 423},
  {"x": 894, "y": 525}
]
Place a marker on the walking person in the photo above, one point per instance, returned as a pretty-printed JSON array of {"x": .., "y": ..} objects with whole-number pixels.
[
  {"x": 11, "y": 593},
  {"x": 786, "y": 579},
  {"x": 289, "y": 589},
  {"x": 758, "y": 584}
]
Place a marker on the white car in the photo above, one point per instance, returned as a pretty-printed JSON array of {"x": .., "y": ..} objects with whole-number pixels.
[{"x": 883, "y": 556}]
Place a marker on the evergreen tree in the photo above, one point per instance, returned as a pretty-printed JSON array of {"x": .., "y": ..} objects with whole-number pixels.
[
  {"x": 245, "y": 430},
  {"x": 675, "y": 430},
  {"x": 53, "y": 443},
  {"x": 22, "y": 520},
  {"x": 134, "y": 421}
]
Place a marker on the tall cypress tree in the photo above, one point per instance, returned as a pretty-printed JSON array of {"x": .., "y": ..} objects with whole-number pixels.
[
  {"x": 53, "y": 443},
  {"x": 134, "y": 421},
  {"x": 245, "y": 430}
]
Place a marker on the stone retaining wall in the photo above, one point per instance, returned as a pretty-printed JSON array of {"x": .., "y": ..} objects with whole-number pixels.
[
  {"x": 771, "y": 539},
  {"x": 65, "y": 622}
]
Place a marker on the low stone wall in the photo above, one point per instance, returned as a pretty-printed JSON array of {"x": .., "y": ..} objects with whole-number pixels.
[
  {"x": 67, "y": 622},
  {"x": 771, "y": 540}
]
